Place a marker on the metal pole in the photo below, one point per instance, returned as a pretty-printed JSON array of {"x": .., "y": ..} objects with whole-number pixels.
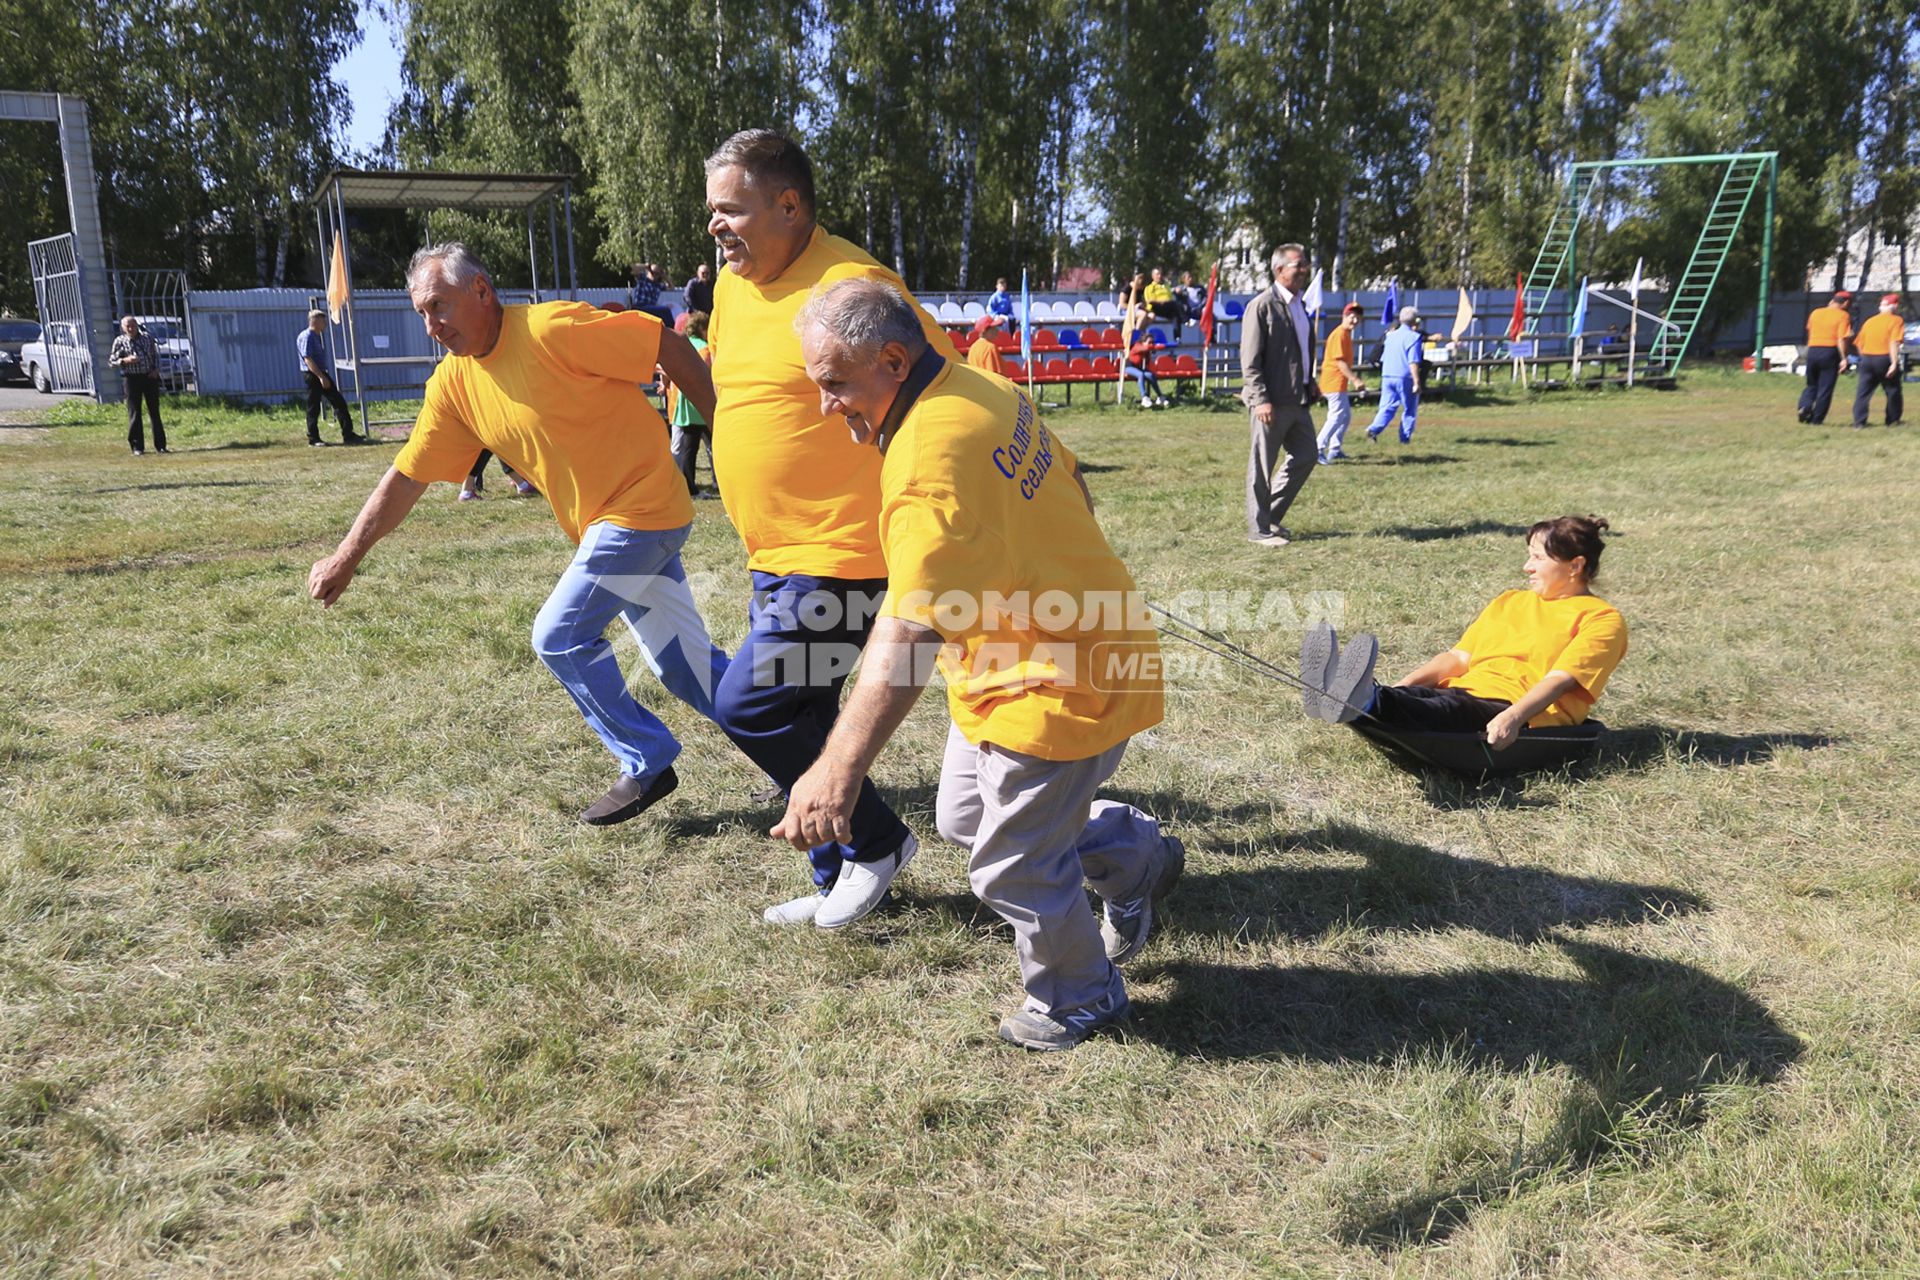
[
  {"x": 1573, "y": 250},
  {"x": 573, "y": 276},
  {"x": 553, "y": 244},
  {"x": 353, "y": 334},
  {"x": 1766, "y": 265},
  {"x": 533, "y": 257}
]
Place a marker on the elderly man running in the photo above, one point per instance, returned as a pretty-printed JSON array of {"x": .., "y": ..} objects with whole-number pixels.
[
  {"x": 805, "y": 500},
  {"x": 554, "y": 390},
  {"x": 991, "y": 546}
]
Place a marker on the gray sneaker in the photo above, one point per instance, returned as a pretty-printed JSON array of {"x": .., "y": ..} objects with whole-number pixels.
[
  {"x": 1124, "y": 926},
  {"x": 1318, "y": 650},
  {"x": 1350, "y": 691},
  {"x": 1047, "y": 1033}
]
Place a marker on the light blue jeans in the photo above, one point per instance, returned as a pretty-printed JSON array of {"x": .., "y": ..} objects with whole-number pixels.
[
  {"x": 1396, "y": 394},
  {"x": 1339, "y": 418},
  {"x": 634, "y": 575}
]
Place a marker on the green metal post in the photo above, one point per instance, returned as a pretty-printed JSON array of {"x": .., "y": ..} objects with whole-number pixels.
[{"x": 1766, "y": 263}]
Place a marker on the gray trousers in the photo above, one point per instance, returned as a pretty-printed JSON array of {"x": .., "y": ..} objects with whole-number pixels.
[
  {"x": 1037, "y": 836},
  {"x": 1284, "y": 455}
]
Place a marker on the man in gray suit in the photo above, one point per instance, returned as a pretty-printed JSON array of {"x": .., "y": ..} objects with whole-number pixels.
[{"x": 1276, "y": 381}]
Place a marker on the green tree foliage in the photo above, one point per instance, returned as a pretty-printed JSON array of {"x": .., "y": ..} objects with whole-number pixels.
[{"x": 1424, "y": 139}]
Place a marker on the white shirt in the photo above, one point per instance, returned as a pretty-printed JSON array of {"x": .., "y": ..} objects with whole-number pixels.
[{"x": 1298, "y": 312}]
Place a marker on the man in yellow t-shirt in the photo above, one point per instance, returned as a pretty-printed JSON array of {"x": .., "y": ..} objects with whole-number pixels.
[
  {"x": 1339, "y": 383},
  {"x": 995, "y": 562},
  {"x": 1827, "y": 332},
  {"x": 804, "y": 499},
  {"x": 554, "y": 390},
  {"x": 1880, "y": 340}
]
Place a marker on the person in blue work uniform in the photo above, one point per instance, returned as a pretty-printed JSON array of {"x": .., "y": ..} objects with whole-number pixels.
[{"x": 1399, "y": 377}]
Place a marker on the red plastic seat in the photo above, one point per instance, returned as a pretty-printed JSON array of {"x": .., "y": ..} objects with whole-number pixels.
[
  {"x": 1164, "y": 366},
  {"x": 1015, "y": 370},
  {"x": 1004, "y": 340},
  {"x": 1106, "y": 368},
  {"x": 1044, "y": 338},
  {"x": 1186, "y": 366},
  {"x": 1080, "y": 369},
  {"x": 1109, "y": 340}
]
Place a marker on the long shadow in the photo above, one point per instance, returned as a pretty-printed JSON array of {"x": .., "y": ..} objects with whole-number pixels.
[
  {"x": 1443, "y": 532},
  {"x": 243, "y": 444},
  {"x": 1650, "y": 1037},
  {"x": 1099, "y": 468},
  {"x": 1402, "y": 460},
  {"x": 1402, "y": 886},
  {"x": 1508, "y": 442},
  {"x": 187, "y": 484},
  {"x": 1637, "y": 746}
]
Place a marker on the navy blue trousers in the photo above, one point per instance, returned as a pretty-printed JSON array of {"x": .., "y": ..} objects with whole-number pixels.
[{"x": 781, "y": 695}]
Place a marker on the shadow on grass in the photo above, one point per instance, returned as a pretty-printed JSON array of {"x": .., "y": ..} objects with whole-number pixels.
[
  {"x": 188, "y": 484},
  {"x": 1399, "y": 460},
  {"x": 1652, "y": 1039},
  {"x": 1637, "y": 746},
  {"x": 1444, "y": 532},
  {"x": 1509, "y": 442},
  {"x": 1099, "y": 468},
  {"x": 1409, "y": 887},
  {"x": 245, "y": 444}
]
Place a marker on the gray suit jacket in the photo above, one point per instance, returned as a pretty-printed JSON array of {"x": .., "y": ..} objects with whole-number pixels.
[{"x": 1273, "y": 369}]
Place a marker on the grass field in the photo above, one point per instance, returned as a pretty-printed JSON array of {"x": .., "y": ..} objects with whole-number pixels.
[{"x": 306, "y": 970}]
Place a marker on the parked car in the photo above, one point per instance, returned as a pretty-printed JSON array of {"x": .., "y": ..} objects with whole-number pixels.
[
  {"x": 1910, "y": 345},
  {"x": 63, "y": 339},
  {"x": 15, "y": 334}
]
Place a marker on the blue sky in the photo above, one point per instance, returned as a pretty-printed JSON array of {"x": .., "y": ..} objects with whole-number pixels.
[{"x": 372, "y": 76}]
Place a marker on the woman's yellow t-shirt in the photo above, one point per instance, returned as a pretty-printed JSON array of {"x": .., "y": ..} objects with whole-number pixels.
[
  {"x": 1521, "y": 636},
  {"x": 559, "y": 400}
]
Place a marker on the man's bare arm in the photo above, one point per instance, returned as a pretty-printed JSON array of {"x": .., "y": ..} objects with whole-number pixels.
[
  {"x": 385, "y": 508},
  {"x": 687, "y": 371}
]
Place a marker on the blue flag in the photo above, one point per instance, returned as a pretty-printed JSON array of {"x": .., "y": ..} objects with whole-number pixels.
[
  {"x": 1026, "y": 321},
  {"x": 1393, "y": 303},
  {"x": 1579, "y": 313}
]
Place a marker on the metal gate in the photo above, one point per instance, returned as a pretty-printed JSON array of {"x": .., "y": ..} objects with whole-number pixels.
[
  {"x": 158, "y": 299},
  {"x": 68, "y": 365}
]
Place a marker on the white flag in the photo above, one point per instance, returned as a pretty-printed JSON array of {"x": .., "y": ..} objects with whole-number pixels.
[
  {"x": 1313, "y": 299},
  {"x": 1634, "y": 288}
]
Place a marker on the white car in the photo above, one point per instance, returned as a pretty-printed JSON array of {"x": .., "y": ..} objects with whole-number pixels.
[{"x": 63, "y": 340}]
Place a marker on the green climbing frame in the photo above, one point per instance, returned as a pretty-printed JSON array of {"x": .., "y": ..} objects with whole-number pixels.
[{"x": 1745, "y": 172}]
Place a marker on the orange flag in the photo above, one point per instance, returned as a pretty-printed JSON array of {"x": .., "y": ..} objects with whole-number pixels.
[{"x": 337, "y": 280}]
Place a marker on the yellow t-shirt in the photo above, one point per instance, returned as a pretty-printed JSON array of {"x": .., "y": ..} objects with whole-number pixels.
[
  {"x": 1881, "y": 335},
  {"x": 1158, "y": 293},
  {"x": 804, "y": 497},
  {"x": 559, "y": 400},
  {"x": 1827, "y": 326},
  {"x": 1339, "y": 347},
  {"x": 984, "y": 355},
  {"x": 1520, "y": 637},
  {"x": 989, "y": 541}
]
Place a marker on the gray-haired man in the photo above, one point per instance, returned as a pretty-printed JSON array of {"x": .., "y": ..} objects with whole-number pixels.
[
  {"x": 320, "y": 384},
  {"x": 994, "y": 559},
  {"x": 554, "y": 390},
  {"x": 1276, "y": 371}
]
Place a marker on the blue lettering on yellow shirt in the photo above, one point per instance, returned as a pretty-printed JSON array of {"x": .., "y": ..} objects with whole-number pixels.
[{"x": 1029, "y": 455}]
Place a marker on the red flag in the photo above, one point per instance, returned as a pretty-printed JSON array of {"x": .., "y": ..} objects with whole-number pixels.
[
  {"x": 1518, "y": 324},
  {"x": 1206, "y": 315}
]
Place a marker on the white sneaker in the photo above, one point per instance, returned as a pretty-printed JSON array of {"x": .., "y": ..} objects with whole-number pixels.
[
  {"x": 798, "y": 911},
  {"x": 861, "y": 886}
]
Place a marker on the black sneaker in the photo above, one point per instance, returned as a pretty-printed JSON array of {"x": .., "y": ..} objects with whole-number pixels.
[{"x": 629, "y": 798}]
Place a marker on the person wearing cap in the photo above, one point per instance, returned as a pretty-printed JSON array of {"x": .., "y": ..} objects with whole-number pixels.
[
  {"x": 996, "y": 564},
  {"x": 1338, "y": 382},
  {"x": 1399, "y": 377},
  {"x": 318, "y": 370},
  {"x": 1880, "y": 361},
  {"x": 1828, "y": 330},
  {"x": 1276, "y": 382}
]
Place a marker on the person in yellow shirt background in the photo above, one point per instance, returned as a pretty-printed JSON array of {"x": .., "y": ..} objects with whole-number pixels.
[
  {"x": 553, "y": 389},
  {"x": 804, "y": 499},
  {"x": 1827, "y": 332},
  {"x": 1339, "y": 383},
  {"x": 1879, "y": 345},
  {"x": 1539, "y": 656},
  {"x": 1157, "y": 294},
  {"x": 995, "y": 561}
]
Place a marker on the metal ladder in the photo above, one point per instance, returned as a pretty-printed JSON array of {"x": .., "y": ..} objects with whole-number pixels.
[
  {"x": 1557, "y": 248},
  {"x": 1689, "y": 300}
]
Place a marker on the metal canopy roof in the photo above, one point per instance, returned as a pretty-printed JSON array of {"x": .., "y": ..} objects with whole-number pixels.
[{"x": 404, "y": 189}]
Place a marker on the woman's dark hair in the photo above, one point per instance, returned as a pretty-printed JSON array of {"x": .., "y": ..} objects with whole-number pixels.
[
  {"x": 1570, "y": 536},
  {"x": 697, "y": 324}
]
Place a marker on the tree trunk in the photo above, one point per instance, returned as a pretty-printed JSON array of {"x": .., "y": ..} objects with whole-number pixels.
[
  {"x": 899, "y": 235},
  {"x": 970, "y": 152},
  {"x": 1866, "y": 259}
]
